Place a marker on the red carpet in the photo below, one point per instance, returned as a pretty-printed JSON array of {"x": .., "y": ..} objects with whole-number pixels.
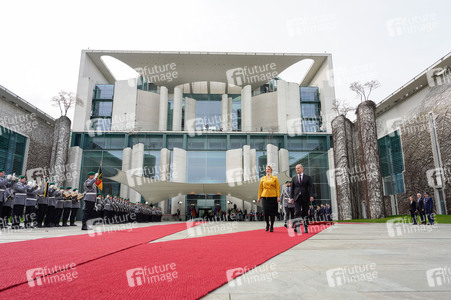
[
  {"x": 200, "y": 265},
  {"x": 17, "y": 257}
]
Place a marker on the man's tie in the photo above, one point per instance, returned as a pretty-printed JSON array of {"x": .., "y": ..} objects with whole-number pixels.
[{"x": 300, "y": 178}]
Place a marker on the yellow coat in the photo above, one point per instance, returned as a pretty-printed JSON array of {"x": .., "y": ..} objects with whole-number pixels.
[{"x": 269, "y": 187}]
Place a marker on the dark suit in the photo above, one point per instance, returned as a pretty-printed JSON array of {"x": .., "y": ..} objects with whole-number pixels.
[
  {"x": 413, "y": 209},
  {"x": 428, "y": 207},
  {"x": 420, "y": 208},
  {"x": 301, "y": 193}
]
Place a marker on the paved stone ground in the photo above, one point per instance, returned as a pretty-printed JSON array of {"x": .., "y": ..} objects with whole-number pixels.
[{"x": 371, "y": 261}]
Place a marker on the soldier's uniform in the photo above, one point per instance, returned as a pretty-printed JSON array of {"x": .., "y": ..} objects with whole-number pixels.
[
  {"x": 67, "y": 206},
  {"x": 30, "y": 206},
  {"x": 8, "y": 203},
  {"x": 108, "y": 210},
  {"x": 3, "y": 185},
  {"x": 20, "y": 196},
  {"x": 75, "y": 207},
  {"x": 58, "y": 207},
  {"x": 50, "y": 213},
  {"x": 90, "y": 190},
  {"x": 43, "y": 203}
]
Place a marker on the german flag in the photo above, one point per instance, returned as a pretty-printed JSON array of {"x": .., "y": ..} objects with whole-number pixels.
[{"x": 99, "y": 182}]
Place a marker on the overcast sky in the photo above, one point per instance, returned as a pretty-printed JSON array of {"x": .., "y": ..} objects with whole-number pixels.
[{"x": 391, "y": 41}]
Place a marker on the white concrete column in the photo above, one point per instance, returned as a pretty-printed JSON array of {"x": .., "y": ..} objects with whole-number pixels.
[
  {"x": 163, "y": 117},
  {"x": 178, "y": 175},
  {"x": 179, "y": 165},
  {"x": 247, "y": 172},
  {"x": 246, "y": 108},
  {"x": 234, "y": 167},
  {"x": 254, "y": 173},
  {"x": 284, "y": 163},
  {"x": 126, "y": 165},
  {"x": 73, "y": 167},
  {"x": 293, "y": 109},
  {"x": 282, "y": 91},
  {"x": 226, "y": 113},
  {"x": 272, "y": 153},
  {"x": 136, "y": 169},
  {"x": 177, "y": 112},
  {"x": 333, "y": 189},
  {"x": 165, "y": 164},
  {"x": 190, "y": 115},
  {"x": 124, "y": 106}
]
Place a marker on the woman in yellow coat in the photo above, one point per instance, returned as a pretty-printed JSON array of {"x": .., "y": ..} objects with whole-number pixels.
[{"x": 269, "y": 192}]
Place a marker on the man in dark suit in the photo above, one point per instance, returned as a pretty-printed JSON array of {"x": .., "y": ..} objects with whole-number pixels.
[
  {"x": 328, "y": 212},
  {"x": 428, "y": 207},
  {"x": 420, "y": 208},
  {"x": 301, "y": 194},
  {"x": 413, "y": 210}
]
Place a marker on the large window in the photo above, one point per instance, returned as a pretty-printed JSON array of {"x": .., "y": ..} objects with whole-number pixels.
[
  {"x": 12, "y": 151},
  {"x": 206, "y": 166},
  {"x": 392, "y": 164},
  {"x": 102, "y": 107},
  {"x": 208, "y": 115},
  {"x": 310, "y": 109}
]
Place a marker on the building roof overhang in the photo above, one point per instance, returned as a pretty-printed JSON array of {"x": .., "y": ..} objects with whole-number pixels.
[{"x": 206, "y": 66}]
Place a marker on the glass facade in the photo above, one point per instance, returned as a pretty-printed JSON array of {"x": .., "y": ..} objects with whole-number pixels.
[
  {"x": 102, "y": 107},
  {"x": 392, "y": 163},
  {"x": 206, "y": 156},
  {"x": 12, "y": 151},
  {"x": 310, "y": 109}
]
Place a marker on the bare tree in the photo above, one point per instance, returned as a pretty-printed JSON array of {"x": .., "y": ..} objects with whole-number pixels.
[
  {"x": 65, "y": 100},
  {"x": 342, "y": 107},
  {"x": 364, "y": 90}
]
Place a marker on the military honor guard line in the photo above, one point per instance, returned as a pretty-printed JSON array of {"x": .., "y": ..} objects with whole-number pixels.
[{"x": 43, "y": 204}]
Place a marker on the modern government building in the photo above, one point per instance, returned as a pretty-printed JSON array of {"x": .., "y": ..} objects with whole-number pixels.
[
  {"x": 198, "y": 117},
  {"x": 202, "y": 118}
]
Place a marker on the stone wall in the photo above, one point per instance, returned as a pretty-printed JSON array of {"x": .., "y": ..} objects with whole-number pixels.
[{"x": 38, "y": 131}]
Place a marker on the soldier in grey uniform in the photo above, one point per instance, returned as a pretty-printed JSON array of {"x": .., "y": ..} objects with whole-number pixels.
[
  {"x": 59, "y": 206},
  {"x": 75, "y": 207},
  {"x": 30, "y": 205},
  {"x": 20, "y": 196},
  {"x": 289, "y": 207},
  {"x": 50, "y": 213},
  {"x": 67, "y": 205},
  {"x": 90, "y": 190},
  {"x": 108, "y": 209},
  {"x": 43, "y": 203},
  {"x": 3, "y": 186},
  {"x": 8, "y": 203}
]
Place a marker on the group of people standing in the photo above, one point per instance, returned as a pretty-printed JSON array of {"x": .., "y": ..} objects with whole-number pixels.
[
  {"x": 37, "y": 205},
  {"x": 300, "y": 195},
  {"x": 422, "y": 207},
  {"x": 40, "y": 205}
]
